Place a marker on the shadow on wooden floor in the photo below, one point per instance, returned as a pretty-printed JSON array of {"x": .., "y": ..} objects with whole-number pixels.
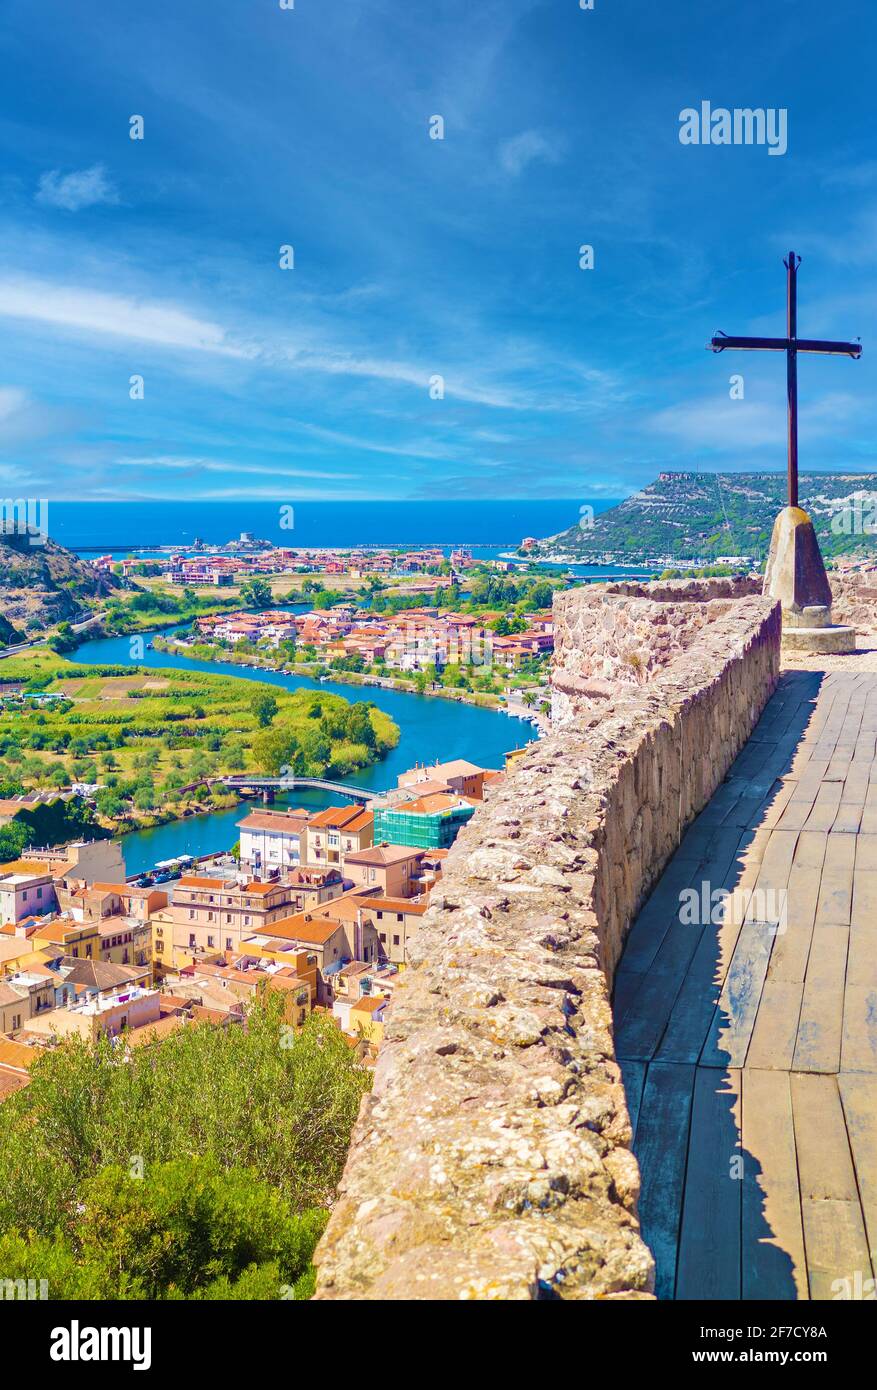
[{"x": 684, "y": 997}]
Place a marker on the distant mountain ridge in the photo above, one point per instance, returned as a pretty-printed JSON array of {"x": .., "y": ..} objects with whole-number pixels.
[{"x": 701, "y": 516}]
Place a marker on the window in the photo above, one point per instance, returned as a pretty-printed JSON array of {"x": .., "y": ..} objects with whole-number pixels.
[
  {"x": 228, "y": 943},
  {"x": 191, "y": 913},
  {"x": 210, "y": 942},
  {"x": 400, "y": 916},
  {"x": 191, "y": 941},
  {"x": 380, "y": 916},
  {"x": 384, "y": 937},
  {"x": 39, "y": 892},
  {"x": 227, "y": 918},
  {"x": 395, "y": 941}
]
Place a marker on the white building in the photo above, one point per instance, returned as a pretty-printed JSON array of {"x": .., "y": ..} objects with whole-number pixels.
[{"x": 273, "y": 840}]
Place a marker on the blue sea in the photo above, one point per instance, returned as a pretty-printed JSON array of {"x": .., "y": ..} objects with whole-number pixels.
[{"x": 124, "y": 527}]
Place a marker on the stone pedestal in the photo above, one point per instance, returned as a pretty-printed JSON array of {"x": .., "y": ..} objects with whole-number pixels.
[{"x": 795, "y": 575}]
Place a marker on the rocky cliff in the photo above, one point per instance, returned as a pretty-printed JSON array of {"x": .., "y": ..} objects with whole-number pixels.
[{"x": 41, "y": 585}]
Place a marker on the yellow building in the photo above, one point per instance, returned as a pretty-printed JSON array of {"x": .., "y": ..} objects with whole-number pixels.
[{"x": 366, "y": 1018}]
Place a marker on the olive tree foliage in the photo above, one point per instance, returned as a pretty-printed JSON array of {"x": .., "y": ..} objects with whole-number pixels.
[{"x": 197, "y": 1166}]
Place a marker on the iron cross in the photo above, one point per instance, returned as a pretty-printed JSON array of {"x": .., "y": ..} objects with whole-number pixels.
[{"x": 791, "y": 345}]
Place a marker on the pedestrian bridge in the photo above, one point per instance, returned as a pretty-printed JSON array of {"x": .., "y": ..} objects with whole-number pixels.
[
  {"x": 748, "y": 1038},
  {"x": 257, "y": 783}
]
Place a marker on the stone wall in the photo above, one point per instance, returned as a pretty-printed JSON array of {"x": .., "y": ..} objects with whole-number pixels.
[
  {"x": 854, "y": 599},
  {"x": 618, "y": 635},
  {"x": 492, "y": 1158}
]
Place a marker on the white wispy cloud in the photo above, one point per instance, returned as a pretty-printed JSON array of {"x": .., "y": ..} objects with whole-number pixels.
[
  {"x": 97, "y": 312},
  {"x": 197, "y": 464},
  {"x": 520, "y": 150},
  {"x": 82, "y": 188},
  {"x": 12, "y": 401},
  {"x": 727, "y": 425}
]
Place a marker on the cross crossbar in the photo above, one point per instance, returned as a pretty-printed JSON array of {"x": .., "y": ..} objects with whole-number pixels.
[{"x": 791, "y": 345}]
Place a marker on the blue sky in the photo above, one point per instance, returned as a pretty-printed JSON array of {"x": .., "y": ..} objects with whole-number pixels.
[{"x": 417, "y": 258}]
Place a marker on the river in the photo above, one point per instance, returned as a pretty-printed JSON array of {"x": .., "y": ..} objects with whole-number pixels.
[{"x": 429, "y": 729}]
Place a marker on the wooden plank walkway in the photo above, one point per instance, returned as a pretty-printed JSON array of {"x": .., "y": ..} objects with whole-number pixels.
[{"x": 746, "y": 1015}]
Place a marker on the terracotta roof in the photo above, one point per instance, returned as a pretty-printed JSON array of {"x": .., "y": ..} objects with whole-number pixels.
[
  {"x": 100, "y": 974},
  {"x": 193, "y": 881},
  {"x": 11, "y": 1081},
  {"x": 25, "y": 867},
  {"x": 457, "y": 767},
  {"x": 369, "y": 1004},
  {"x": 125, "y": 890},
  {"x": 17, "y": 1056},
  {"x": 202, "y": 1014},
  {"x": 152, "y": 1032},
  {"x": 8, "y": 995},
  {"x": 292, "y": 822},
  {"x": 315, "y": 933},
  {"x": 434, "y": 803},
  {"x": 337, "y": 816},
  {"x": 397, "y": 905},
  {"x": 13, "y": 949},
  {"x": 385, "y": 854}
]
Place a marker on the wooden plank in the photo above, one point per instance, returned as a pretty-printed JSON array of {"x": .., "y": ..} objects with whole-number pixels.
[
  {"x": 627, "y": 983},
  {"x": 660, "y": 911},
  {"x": 734, "y": 1017},
  {"x": 776, "y": 1026},
  {"x": 661, "y": 1148},
  {"x": 862, "y": 959},
  {"x": 773, "y": 1261},
  {"x": 639, "y": 1032},
  {"x": 859, "y": 1100},
  {"x": 633, "y": 1075},
  {"x": 694, "y": 1008},
  {"x": 775, "y": 803},
  {"x": 848, "y": 818},
  {"x": 810, "y": 849},
  {"x": 863, "y": 913},
  {"x": 836, "y": 890},
  {"x": 791, "y": 949},
  {"x": 709, "y": 1239},
  {"x": 837, "y": 1248},
  {"x": 859, "y": 1044},
  {"x": 821, "y": 1025},
  {"x": 825, "y": 1165}
]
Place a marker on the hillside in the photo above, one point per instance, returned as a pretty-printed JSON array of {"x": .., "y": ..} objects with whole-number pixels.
[
  {"x": 699, "y": 516},
  {"x": 41, "y": 585}
]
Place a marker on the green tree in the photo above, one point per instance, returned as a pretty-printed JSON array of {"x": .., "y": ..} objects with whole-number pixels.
[
  {"x": 256, "y": 593},
  {"x": 264, "y": 706},
  {"x": 109, "y": 803},
  {"x": 13, "y": 839},
  {"x": 275, "y": 748}
]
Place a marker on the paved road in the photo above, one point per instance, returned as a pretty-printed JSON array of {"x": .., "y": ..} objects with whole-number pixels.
[
  {"x": 38, "y": 641},
  {"x": 748, "y": 1036}
]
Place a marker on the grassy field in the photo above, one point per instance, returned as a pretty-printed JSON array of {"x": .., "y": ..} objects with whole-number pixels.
[{"x": 148, "y": 735}]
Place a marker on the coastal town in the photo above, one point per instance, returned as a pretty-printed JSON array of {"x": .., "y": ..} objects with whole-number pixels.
[
  {"x": 414, "y": 640},
  {"x": 317, "y": 907}
]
